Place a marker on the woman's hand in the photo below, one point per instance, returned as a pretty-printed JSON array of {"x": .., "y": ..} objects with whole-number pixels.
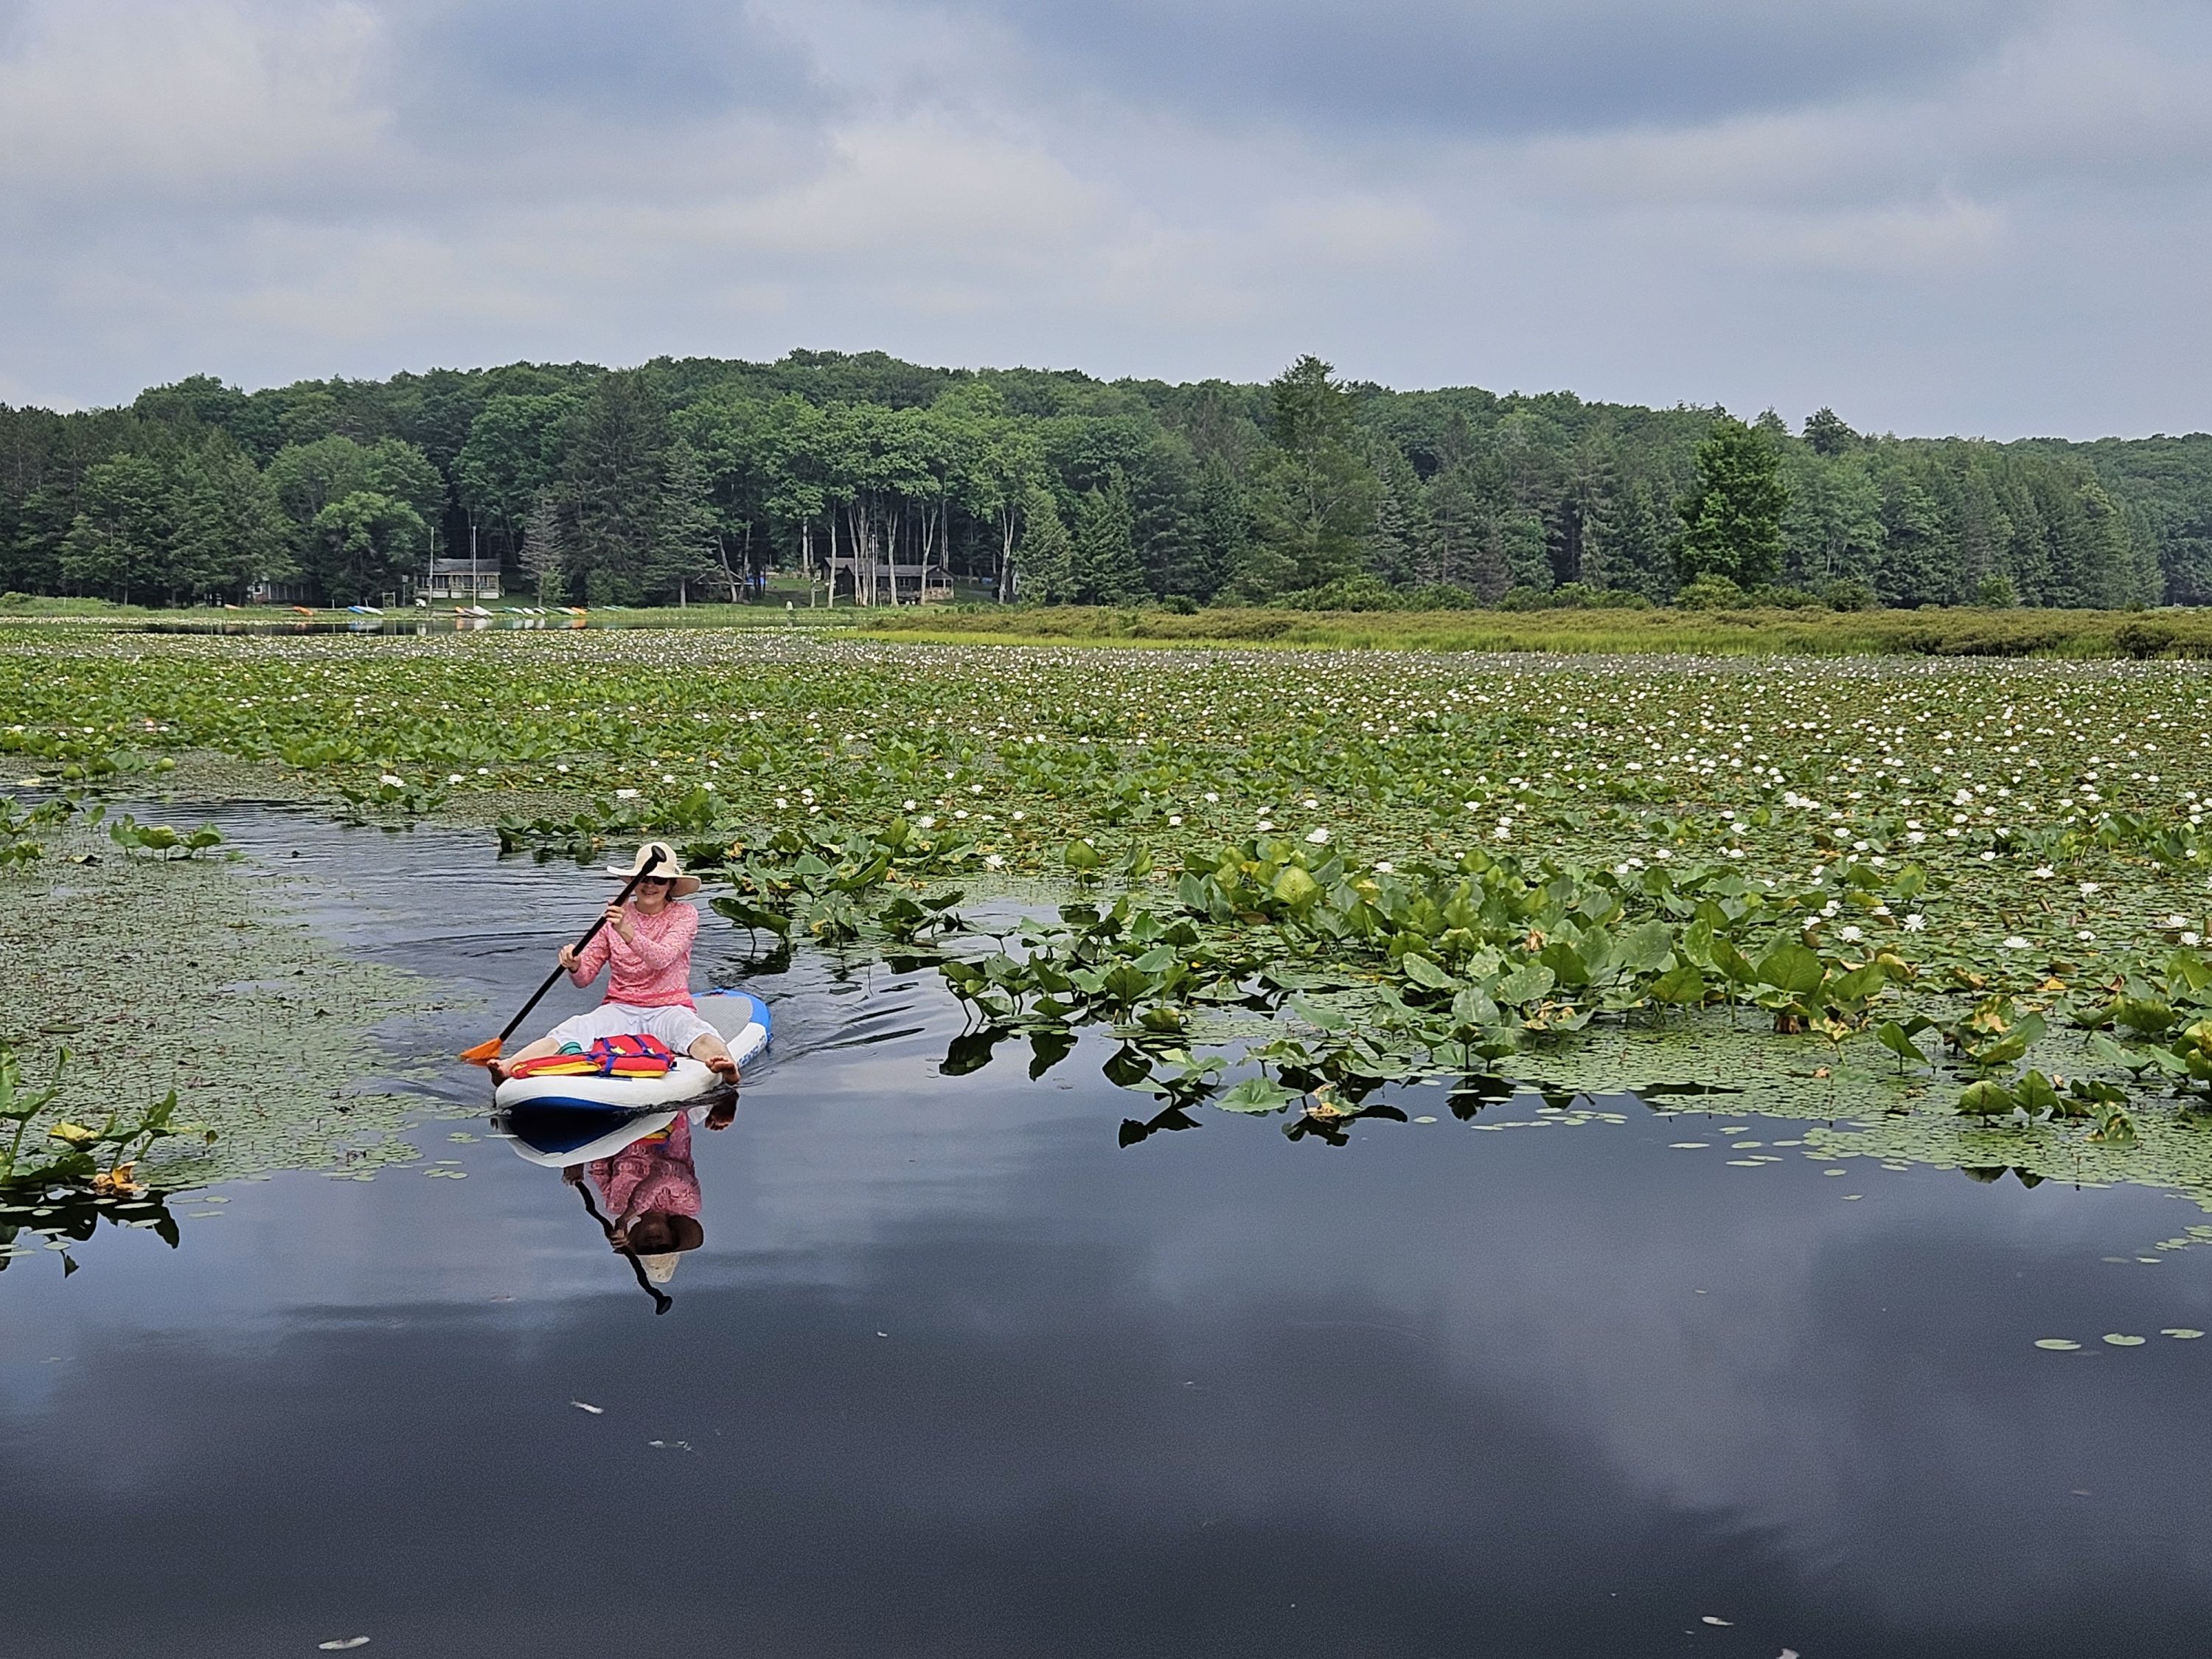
[
  {"x": 569, "y": 957},
  {"x": 619, "y": 918}
]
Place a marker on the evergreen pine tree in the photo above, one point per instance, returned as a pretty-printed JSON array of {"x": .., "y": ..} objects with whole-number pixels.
[
  {"x": 543, "y": 560},
  {"x": 1045, "y": 563},
  {"x": 1106, "y": 568},
  {"x": 690, "y": 552},
  {"x": 1733, "y": 518}
]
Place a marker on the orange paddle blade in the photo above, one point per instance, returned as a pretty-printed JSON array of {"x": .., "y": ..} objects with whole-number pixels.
[{"x": 484, "y": 1054}]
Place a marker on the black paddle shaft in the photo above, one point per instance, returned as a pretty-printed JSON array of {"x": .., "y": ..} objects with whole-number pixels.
[{"x": 590, "y": 933}]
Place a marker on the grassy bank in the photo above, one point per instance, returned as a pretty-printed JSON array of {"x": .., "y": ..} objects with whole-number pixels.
[{"x": 2077, "y": 633}]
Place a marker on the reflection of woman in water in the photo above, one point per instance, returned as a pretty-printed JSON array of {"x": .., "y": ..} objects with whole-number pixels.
[{"x": 651, "y": 1191}]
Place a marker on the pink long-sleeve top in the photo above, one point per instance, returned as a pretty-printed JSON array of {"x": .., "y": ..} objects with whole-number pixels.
[
  {"x": 654, "y": 1175},
  {"x": 652, "y": 969}
]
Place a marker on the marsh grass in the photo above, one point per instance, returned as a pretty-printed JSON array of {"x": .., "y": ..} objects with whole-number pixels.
[{"x": 1932, "y": 633}]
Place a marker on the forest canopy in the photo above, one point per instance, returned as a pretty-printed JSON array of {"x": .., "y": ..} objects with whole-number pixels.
[{"x": 692, "y": 476}]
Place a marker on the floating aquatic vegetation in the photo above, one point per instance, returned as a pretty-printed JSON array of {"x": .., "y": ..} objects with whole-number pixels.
[
  {"x": 186, "y": 980},
  {"x": 1875, "y": 887}
]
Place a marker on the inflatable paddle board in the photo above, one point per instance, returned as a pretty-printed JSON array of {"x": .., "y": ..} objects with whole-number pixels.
[{"x": 740, "y": 1016}]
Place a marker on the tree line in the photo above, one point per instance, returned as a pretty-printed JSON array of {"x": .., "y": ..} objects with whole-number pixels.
[{"x": 692, "y": 477}]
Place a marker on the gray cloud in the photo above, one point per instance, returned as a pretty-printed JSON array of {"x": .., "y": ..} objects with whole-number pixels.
[
  {"x": 1507, "y": 66},
  {"x": 674, "y": 62}
]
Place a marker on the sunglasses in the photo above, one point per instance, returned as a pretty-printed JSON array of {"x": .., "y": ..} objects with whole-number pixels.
[{"x": 656, "y": 881}]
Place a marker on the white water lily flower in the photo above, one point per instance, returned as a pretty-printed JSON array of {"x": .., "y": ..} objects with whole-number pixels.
[
  {"x": 909, "y": 806},
  {"x": 2087, "y": 887},
  {"x": 2015, "y": 943},
  {"x": 1383, "y": 866},
  {"x": 452, "y": 777},
  {"x": 1019, "y": 816},
  {"x": 2084, "y": 936},
  {"x": 2044, "y": 872},
  {"x": 392, "y": 778},
  {"x": 780, "y": 801},
  {"x": 1309, "y": 802},
  {"x": 1850, "y": 935},
  {"x": 625, "y": 794},
  {"x": 925, "y": 822},
  {"x": 1503, "y": 832},
  {"x": 2191, "y": 939},
  {"x": 1916, "y": 923},
  {"x": 2176, "y": 922},
  {"x": 991, "y": 860},
  {"x": 1211, "y": 796},
  {"x": 1265, "y": 824},
  {"x": 1318, "y": 837},
  {"x": 1175, "y": 820}
]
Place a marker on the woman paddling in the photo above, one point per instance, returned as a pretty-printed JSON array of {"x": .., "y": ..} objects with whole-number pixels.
[{"x": 647, "y": 943}]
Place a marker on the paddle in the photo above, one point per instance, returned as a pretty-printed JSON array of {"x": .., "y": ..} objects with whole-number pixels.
[
  {"x": 484, "y": 1052},
  {"x": 661, "y": 1301}
]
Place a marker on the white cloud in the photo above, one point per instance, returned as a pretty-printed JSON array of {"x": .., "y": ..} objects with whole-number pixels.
[
  {"x": 268, "y": 190},
  {"x": 121, "y": 102}
]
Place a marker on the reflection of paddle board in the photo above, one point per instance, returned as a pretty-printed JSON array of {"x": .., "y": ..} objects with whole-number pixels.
[
  {"x": 740, "y": 1016},
  {"x": 556, "y": 1137}
]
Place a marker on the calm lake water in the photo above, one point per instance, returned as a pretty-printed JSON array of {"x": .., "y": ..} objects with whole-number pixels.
[{"x": 957, "y": 1373}]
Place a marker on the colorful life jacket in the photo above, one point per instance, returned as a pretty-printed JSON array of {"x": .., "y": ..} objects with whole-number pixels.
[{"x": 628, "y": 1055}]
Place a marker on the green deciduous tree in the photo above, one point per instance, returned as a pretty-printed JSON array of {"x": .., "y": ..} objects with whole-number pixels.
[
  {"x": 359, "y": 544},
  {"x": 119, "y": 542},
  {"x": 229, "y": 531},
  {"x": 513, "y": 452}
]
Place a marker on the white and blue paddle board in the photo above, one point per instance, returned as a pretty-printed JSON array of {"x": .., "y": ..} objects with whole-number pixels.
[{"x": 740, "y": 1016}]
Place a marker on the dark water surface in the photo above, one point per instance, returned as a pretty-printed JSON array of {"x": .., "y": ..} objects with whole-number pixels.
[{"x": 957, "y": 1374}]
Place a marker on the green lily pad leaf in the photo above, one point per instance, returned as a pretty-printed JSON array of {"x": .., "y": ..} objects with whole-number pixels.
[
  {"x": 2058, "y": 1344},
  {"x": 1792, "y": 968},
  {"x": 1987, "y": 1097},
  {"x": 2181, "y": 1332},
  {"x": 1256, "y": 1095},
  {"x": 2119, "y": 1340},
  {"x": 1525, "y": 984},
  {"x": 1419, "y": 970}
]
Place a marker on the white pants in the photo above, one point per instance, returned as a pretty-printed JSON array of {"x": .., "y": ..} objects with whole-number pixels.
[{"x": 678, "y": 1026}]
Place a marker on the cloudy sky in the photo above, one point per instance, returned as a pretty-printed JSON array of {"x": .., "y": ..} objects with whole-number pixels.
[{"x": 1987, "y": 216}]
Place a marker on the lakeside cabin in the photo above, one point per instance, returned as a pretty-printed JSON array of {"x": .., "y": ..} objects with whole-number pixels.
[
  {"x": 885, "y": 581},
  {"x": 461, "y": 578}
]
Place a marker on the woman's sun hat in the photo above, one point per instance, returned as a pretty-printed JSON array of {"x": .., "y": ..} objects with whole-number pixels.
[
  {"x": 685, "y": 1234},
  {"x": 667, "y": 866}
]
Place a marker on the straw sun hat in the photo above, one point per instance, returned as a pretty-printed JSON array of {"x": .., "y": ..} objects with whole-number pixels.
[
  {"x": 685, "y": 1234},
  {"x": 667, "y": 866}
]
